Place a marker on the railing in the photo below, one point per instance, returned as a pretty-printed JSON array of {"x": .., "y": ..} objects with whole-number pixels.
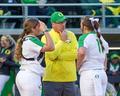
[
  {"x": 75, "y": 30},
  {"x": 25, "y": 13}
]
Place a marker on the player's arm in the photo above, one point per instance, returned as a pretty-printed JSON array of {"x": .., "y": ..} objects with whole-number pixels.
[
  {"x": 82, "y": 47},
  {"x": 49, "y": 46},
  {"x": 52, "y": 55},
  {"x": 80, "y": 57},
  {"x": 105, "y": 63}
]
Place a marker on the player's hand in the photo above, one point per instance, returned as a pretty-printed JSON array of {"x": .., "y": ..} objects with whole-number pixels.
[
  {"x": 43, "y": 26},
  {"x": 2, "y": 60},
  {"x": 63, "y": 36}
]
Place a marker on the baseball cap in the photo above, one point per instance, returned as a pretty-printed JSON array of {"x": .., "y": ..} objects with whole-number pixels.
[
  {"x": 58, "y": 17},
  {"x": 115, "y": 56}
]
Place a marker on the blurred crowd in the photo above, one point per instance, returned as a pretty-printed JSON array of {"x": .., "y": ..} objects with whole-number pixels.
[
  {"x": 111, "y": 22},
  {"x": 113, "y": 70}
]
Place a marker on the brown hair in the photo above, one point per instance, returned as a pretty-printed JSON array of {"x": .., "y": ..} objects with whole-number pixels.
[
  {"x": 27, "y": 26},
  {"x": 93, "y": 26},
  {"x": 86, "y": 22},
  {"x": 11, "y": 41}
]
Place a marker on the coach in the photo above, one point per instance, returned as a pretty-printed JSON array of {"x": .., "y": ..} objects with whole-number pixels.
[{"x": 60, "y": 72}]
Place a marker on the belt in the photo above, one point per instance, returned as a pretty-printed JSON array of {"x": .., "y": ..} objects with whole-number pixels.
[
  {"x": 98, "y": 69},
  {"x": 31, "y": 59}
]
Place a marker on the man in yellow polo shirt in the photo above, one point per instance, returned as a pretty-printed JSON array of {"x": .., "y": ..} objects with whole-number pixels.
[{"x": 60, "y": 71}]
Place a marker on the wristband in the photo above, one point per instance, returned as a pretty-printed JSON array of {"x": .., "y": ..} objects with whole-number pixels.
[{"x": 46, "y": 31}]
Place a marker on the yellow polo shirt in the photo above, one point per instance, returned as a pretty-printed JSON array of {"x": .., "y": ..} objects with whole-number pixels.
[{"x": 60, "y": 63}]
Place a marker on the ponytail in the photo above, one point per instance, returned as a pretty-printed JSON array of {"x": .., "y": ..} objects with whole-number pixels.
[
  {"x": 18, "y": 48},
  {"x": 93, "y": 25},
  {"x": 96, "y": 27},
  {"x": 27, "y": 25}
]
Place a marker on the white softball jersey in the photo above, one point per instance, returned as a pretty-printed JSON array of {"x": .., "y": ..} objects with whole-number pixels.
[
  {"x": 95, "y": 56},
  {"x": 31, "y": 49},
  {"x": 93, "y": 79}
]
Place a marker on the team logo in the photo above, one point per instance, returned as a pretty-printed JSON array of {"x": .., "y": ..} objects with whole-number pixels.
[
  {"x": 7, "y": 52},
  {"x": 60, "y": 14},
  {"x": 96, "y": 76}
]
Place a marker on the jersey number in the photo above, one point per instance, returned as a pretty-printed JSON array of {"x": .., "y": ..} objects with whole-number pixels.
[{"x": 99, "y": 45}]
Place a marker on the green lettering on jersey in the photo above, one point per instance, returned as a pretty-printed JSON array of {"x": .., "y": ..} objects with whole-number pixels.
[{"x": 99, "y": 45}]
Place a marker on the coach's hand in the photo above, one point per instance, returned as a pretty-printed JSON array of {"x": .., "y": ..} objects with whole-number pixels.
[{"x": 63, "y": 35}]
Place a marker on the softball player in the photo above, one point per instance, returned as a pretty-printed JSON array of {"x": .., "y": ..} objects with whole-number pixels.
[
  {"x": 28, "y": 51},
  {"x": 91, "y": 59}
]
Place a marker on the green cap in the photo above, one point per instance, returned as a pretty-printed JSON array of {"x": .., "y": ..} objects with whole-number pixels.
[
  {"x": 115, "y": 56},
  {"x": 57, "y": 17}
]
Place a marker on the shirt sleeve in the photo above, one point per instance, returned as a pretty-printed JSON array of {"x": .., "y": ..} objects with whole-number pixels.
[
  {"x": 36, "y": 44},
  {"x": 82, "y": 41}
]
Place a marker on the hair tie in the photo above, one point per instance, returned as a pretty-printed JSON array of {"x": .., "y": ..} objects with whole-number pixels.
[{"x": 92, "y": 22}]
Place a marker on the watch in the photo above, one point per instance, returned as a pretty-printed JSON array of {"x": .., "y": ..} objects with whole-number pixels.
[
  {"x": 45, "y": 31},
  {"x": 68, "y": 41}
]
